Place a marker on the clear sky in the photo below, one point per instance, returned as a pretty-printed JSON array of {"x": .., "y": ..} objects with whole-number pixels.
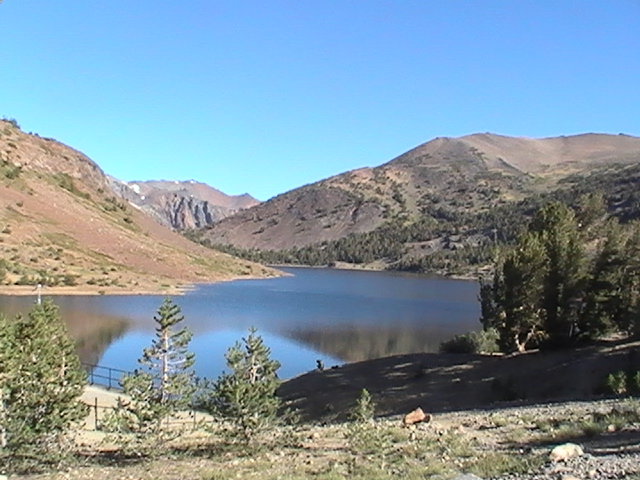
[{"x": 267, "y": 95}]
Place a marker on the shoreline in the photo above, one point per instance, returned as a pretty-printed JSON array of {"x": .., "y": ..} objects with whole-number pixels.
[
  {"x": 177, "y": 289},
  {"x": 372, "y": 268},
  {"x": 184, "y": 288}
]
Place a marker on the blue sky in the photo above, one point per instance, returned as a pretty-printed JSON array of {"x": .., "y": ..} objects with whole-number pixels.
[{"x": 265, "y": 96}]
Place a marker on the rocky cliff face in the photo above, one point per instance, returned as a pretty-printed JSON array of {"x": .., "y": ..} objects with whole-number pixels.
[{"x": 182, "y": 205}]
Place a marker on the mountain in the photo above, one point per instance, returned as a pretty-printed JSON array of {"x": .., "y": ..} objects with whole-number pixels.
[
  {"x": 182, "y": 205},
  {"x": 62, "y": 225},
  {"x": 446, "y": 194}
]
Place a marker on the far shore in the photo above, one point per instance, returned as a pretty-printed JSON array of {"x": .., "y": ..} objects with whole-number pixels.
[
  {"x": 178, "y": 289},
  {"x": 376, "y": 267},
  {"x": 148, "y": 288},
  {"x": 25, "y": 291}
]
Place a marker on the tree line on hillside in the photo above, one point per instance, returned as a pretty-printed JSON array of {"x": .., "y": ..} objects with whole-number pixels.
[
  {"x": 42, "y": 379},
  {"x": 500, "y": 225}
]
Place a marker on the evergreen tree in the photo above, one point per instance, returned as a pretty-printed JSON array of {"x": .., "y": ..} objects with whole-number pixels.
[
  {"x": 512, "y": 305},
  {"x": 605, "y": 294},
  {"x": 564, "y": 278},
  {"x": 42, "y": 380},
  {"x": 169, "y": 358},
  {"x": 164, "y": 385},
  {"x": 247, "y": 395},
  {"x": 629, "y": 317},
  {"x": 591, "y": 214}
]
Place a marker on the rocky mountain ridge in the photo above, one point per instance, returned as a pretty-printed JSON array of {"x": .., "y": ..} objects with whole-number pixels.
[{"x": 182, "y": 205}]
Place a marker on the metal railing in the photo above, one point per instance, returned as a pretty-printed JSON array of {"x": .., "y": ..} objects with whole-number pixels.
[{"x": 105, "y": 376}]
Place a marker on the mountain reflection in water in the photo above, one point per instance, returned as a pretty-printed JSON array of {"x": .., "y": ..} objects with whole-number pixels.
[
  {"x": 315, "y": 314},
  {"x": 353, "y": 344},
  {"x": 93, "y": 332}
]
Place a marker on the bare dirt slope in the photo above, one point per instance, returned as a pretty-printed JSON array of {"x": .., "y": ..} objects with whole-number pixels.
[
  {"x": 445, "y": 382},
  {"x": 61, "y": 226}
]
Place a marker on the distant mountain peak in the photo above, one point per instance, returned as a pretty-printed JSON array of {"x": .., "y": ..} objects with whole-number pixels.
[
  {"x": 445, "y": 177},
  {"x": 184, "y": 204}
]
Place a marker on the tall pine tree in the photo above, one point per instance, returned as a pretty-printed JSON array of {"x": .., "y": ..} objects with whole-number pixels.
[
  {"x": 604, "y": 298},
  {"x": 166, "y": 382},
  {"x": 169, "y": 359},
  {"x": 629, "y": 318},
  {"x": 512, "y": 304},
  {"x": 558, "y": 230}
]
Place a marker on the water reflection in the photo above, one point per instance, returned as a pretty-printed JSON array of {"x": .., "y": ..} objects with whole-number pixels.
[
  {"x": 92, "y": 331},
  {"x": 330, "y": 315},
  {"x": 356, "y": 343}
]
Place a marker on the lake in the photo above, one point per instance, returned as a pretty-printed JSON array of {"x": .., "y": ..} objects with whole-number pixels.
[{"x": 335, "y": 316}]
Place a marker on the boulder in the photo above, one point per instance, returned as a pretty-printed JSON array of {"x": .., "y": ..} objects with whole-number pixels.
[
  {"x": 416, "y": 416},
  {"x": 467, "y": 476},
  {"x": 565, "y": 452}
]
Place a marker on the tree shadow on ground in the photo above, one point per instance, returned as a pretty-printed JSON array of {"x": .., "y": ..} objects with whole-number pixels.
[{"x": 447, "y": 382}]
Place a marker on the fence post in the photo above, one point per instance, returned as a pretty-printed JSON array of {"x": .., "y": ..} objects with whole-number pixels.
[
  {"x": 95, "y": 410},
  {"x": 109, "y": 370}
]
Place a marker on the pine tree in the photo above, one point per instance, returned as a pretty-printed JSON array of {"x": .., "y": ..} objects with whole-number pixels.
[
  {"x": 169, "y": 359},
  {"x": 247, "y": 395},
  {"x": 164, "y": 385},
  {"x": 558, "y": 231},
  {"x": 513, "y": 305},
  {"x": 605, "y": 294},
  {"x": 42, "y": 382},
  {"x": 629, "y": 317}
]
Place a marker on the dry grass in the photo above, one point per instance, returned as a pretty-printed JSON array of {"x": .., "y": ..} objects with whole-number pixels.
[{"x": 486, "y": 443}]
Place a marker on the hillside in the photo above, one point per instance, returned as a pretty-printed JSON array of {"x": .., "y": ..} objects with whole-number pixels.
[
  {"x": 426, "y": 209},
  {"x": 182, "y": 205},
  {"x": 62, "y": 226}
]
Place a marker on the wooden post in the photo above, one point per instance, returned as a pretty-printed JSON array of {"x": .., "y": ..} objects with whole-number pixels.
[{"x": 95, "y": 411}]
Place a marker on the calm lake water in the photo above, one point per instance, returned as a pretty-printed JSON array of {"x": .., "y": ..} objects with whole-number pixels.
[{"x": 335, "y": 316}]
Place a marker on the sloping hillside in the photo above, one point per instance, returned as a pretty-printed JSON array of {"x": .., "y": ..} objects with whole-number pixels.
[
  {"x": 182, "y": 205},
  {"x": 61, "y": 225},
  {"x": 445, "y": 195}
]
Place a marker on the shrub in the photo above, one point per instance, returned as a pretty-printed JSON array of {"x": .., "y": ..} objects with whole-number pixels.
[
  {"x": 364, "y": 409},
  {"x": 622, "y": 383},
  {"x": 635, "y": 382},
  {"x": 484, "y": 341},
  {"x": 12, "y": 121},
  {"x": 617, "y": 382}
]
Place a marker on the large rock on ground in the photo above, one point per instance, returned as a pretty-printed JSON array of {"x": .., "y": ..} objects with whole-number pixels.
[
  {"x": 566, "y": 451},
  {"x": 416, "y": 416}
]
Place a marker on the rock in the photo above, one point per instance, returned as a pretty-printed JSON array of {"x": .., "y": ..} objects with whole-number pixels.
[
  {"x": 566, "y": 451},
  {"x": 416, "y": 416},
  {"x": 467, "y": 476},
  {"x": 570, "y": 477}
]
